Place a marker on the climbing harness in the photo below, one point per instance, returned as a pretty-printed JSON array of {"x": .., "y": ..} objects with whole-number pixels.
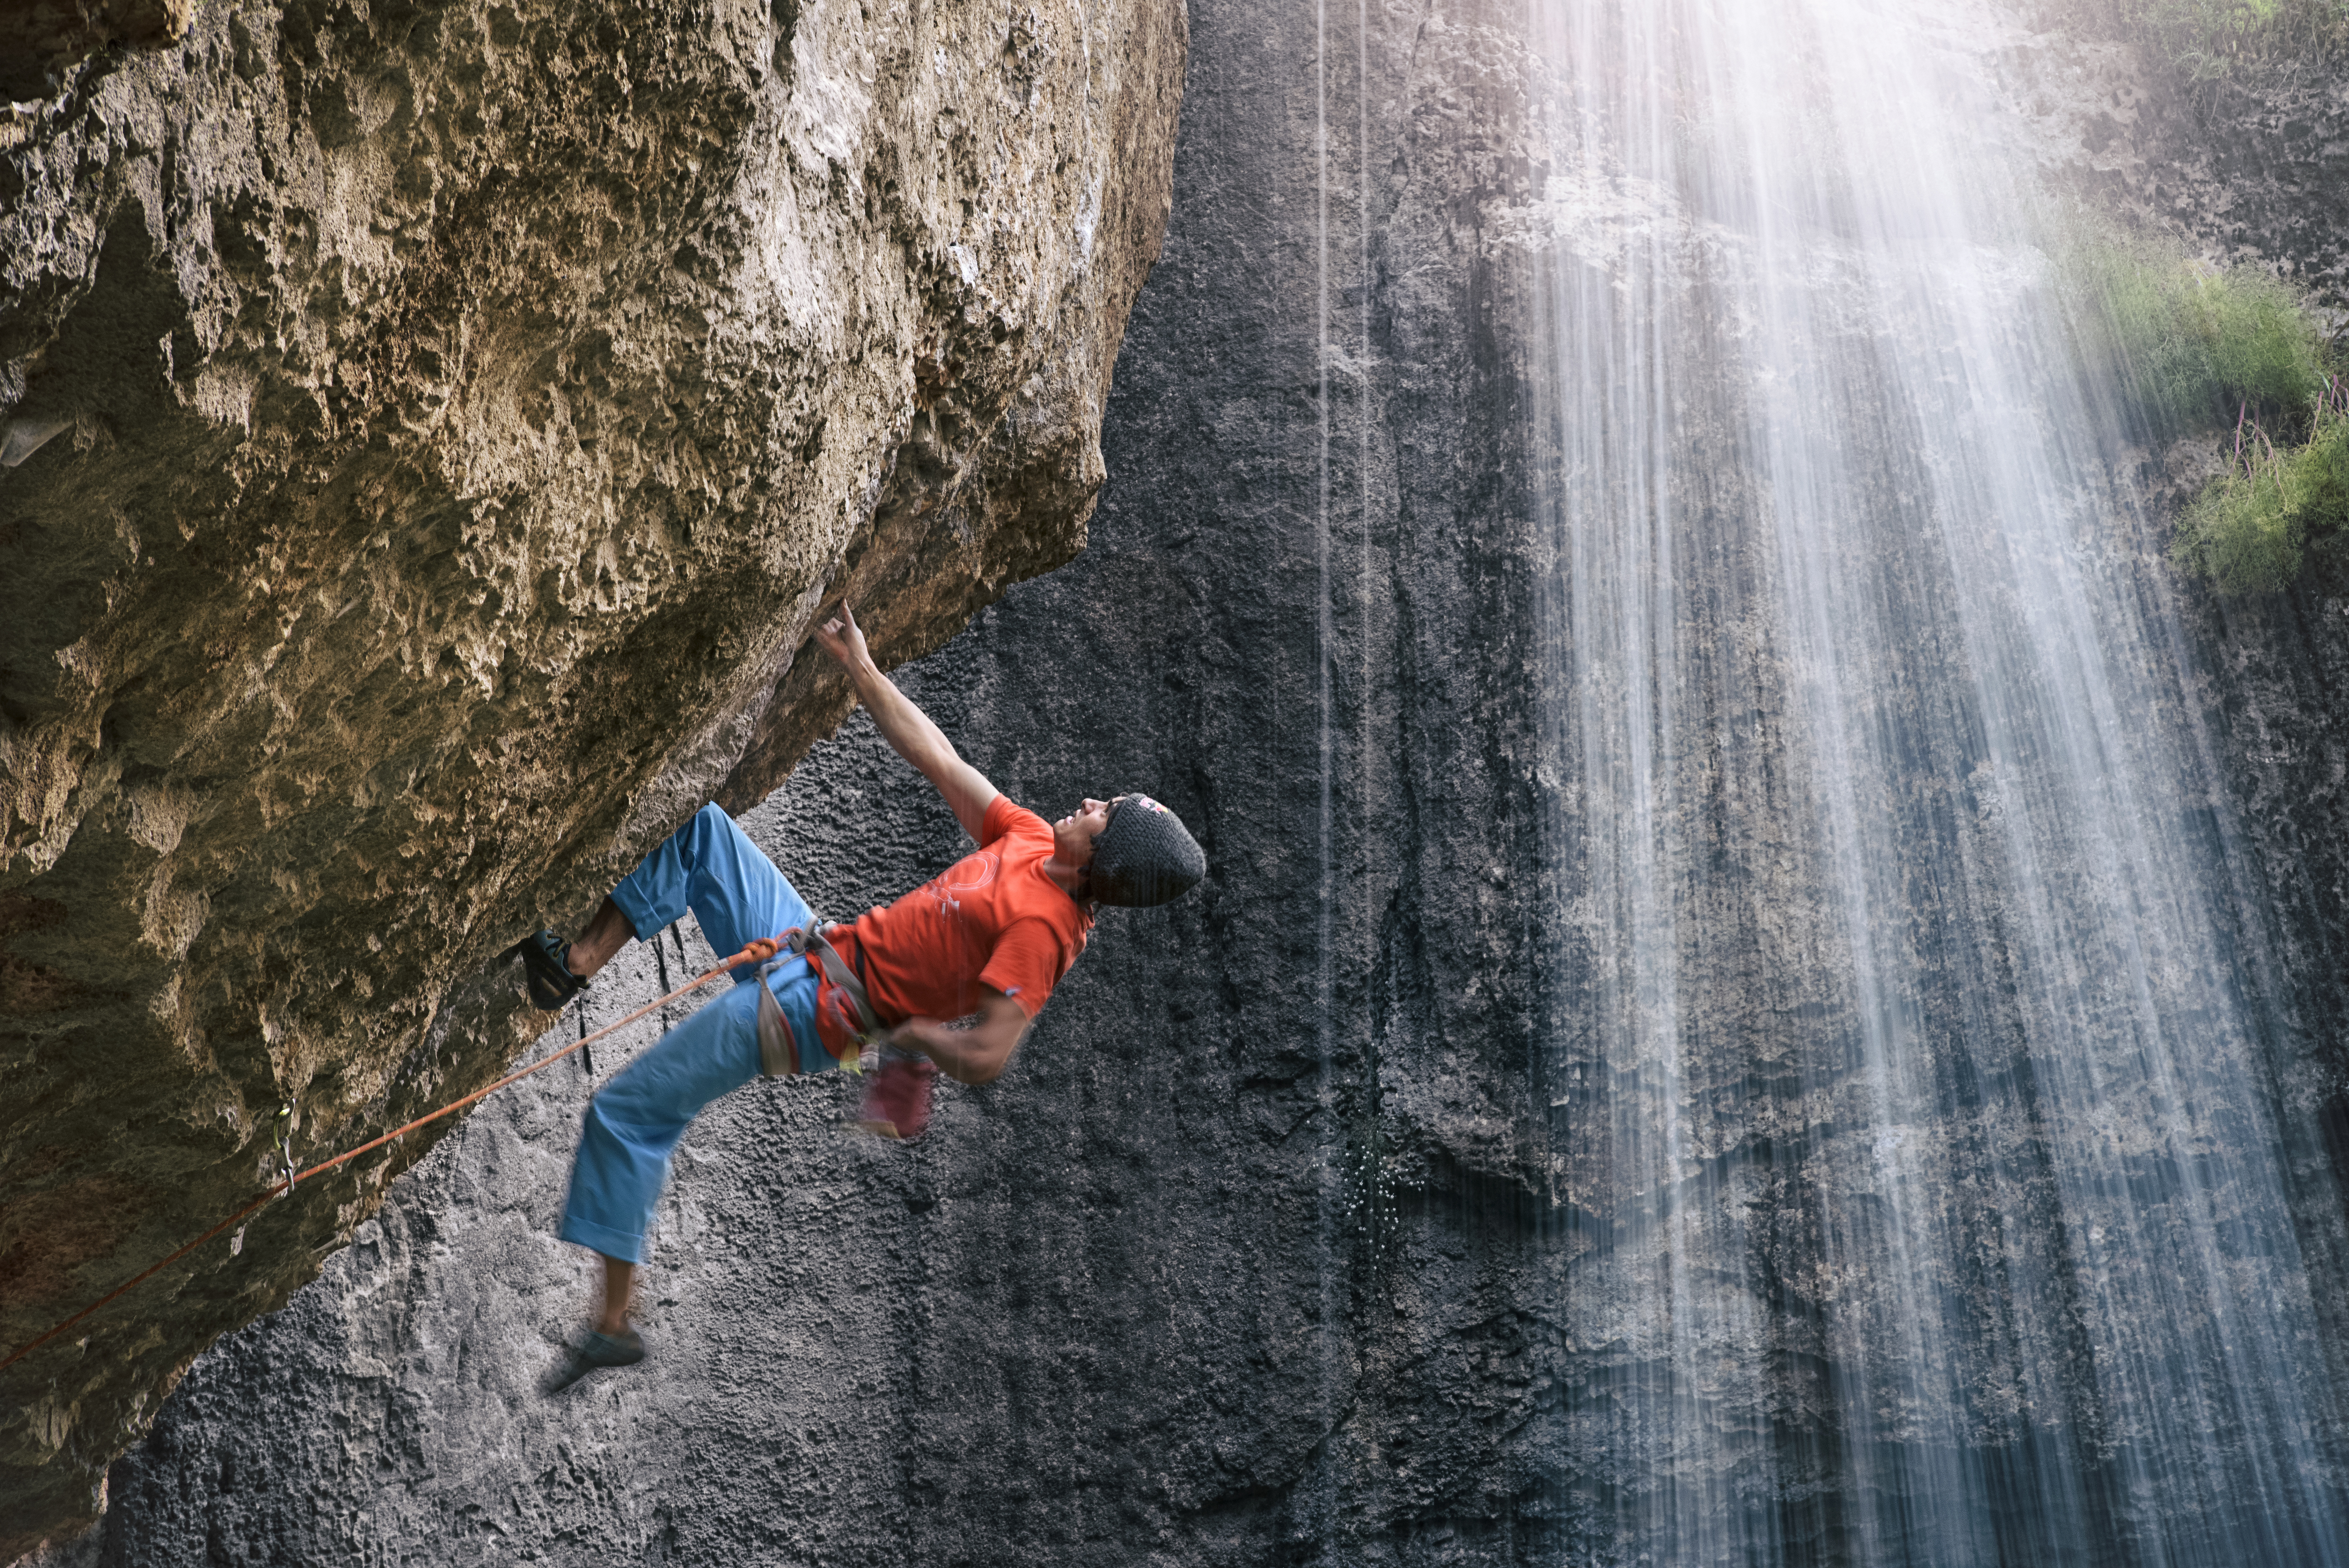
[
  {"x": 758, "y": 951},
  {"x": 778, "y": 1055},
  {"x": 893, "y": 1107}
]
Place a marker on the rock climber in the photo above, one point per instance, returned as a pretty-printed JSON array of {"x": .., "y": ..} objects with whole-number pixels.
[{"x": 948, "y": 978}]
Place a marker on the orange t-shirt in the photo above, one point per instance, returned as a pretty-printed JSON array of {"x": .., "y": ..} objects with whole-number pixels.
[{"x": 993, "y": 920}]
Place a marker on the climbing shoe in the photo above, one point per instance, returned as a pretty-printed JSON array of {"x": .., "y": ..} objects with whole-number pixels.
[
  {"x": 544, "y": 957},
  {"x": 596, "y": 1351},
  {"x": 897, "y": 1095}
]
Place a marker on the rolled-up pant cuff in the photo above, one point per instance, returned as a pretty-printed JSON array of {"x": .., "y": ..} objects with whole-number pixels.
[{"x": 612, "y": 1243}]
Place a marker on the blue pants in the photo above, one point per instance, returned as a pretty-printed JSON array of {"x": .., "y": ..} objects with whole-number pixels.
[{"x": 712, "y": 867}]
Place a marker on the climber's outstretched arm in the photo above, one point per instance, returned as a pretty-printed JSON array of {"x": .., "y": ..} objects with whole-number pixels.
[{"x": 906, "y": 728}]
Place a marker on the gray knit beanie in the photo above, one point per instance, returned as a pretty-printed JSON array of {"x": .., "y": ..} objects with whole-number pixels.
[{"x": 1144, "y": 857}]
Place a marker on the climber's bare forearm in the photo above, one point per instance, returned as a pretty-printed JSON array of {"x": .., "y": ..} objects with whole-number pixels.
[
  {"x": 911, "y": 732},
  {"x": 975, "y": 1055}
]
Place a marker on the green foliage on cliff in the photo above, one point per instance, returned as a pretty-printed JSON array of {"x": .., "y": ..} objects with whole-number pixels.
[
  {"x": 2249, "y": 529},
  {"x": 2192, "y": 347}
]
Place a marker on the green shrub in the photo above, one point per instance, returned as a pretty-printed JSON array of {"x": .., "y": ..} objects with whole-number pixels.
[
  {"x": 2190, "y": 348},
  {"x": 2250, "y": 528},
  {"x": 2266, "y": 348},
  {"x": 2189, "y": 344}
]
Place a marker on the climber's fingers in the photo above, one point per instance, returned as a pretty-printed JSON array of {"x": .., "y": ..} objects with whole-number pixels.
[{"x": 842, "y": 637}]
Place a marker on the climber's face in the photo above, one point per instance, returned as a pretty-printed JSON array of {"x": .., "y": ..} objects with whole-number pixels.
[{"x": 1073, "y": 835}]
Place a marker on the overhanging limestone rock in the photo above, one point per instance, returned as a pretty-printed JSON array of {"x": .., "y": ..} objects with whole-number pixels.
[{"x": 426, "y": 434}]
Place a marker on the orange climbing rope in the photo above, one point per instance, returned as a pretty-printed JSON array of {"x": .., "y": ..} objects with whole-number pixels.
[{"x": 760, "y": 950}]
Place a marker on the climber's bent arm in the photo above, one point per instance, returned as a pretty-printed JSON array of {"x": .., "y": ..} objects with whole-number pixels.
[
  {"x": 909, "y": 730},
  {"x": 975, "y": 1055}
]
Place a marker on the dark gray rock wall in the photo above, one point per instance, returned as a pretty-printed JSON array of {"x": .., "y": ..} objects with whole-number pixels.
[{"x": 1257, "y": 1254}]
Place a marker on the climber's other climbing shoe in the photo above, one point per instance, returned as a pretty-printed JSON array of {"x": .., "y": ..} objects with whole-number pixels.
[
  {"x": 625, "y": 1348},
  {"x": 596, "y": 1351},
  {"x": 551, "y": 984}
]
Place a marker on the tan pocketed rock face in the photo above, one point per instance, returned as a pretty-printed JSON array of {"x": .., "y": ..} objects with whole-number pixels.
[{"x": 426, "y": 433}]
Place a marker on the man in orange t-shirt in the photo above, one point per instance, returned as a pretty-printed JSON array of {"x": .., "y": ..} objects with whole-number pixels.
[
  {"x": 955, "y": 971},
  {"x": 999, "y": 923}
]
